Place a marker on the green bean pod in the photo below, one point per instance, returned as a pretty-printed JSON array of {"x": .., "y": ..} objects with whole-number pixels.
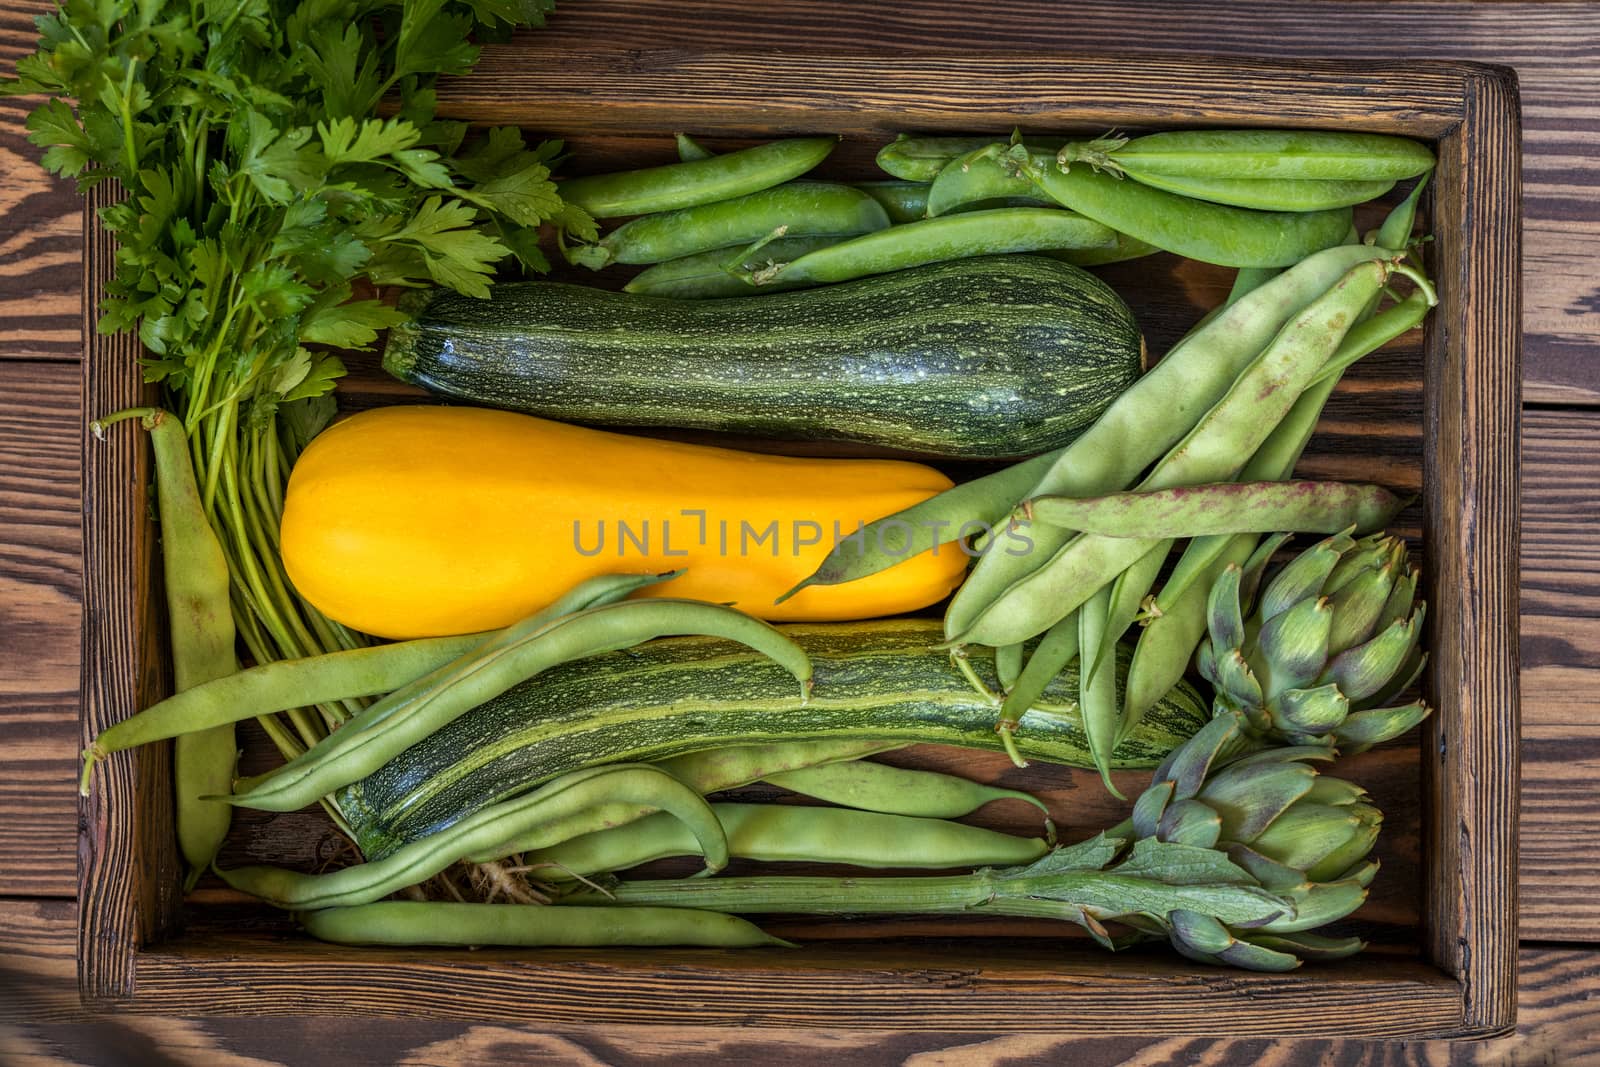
[
  {"x": 1225, "y": 508},
  {"x": 1055, "y": 650},
  {"x": 1097, "y": 690},
  {"x": 1268, "y": 194},
  {"x": 1197, "y": 229},
  {"x": 802, "y": 209},
  {"x": 707, "y": 275},
  {"x": 1215, "y": 449},
  {"x": 972, "y": 233},
  {"x": 1116, "y": 449},
  {"x": 705, "y": 772},
  {"x": 889, "y": 790},
  {"x": 903, "y": 201},
  {"x": 1313, "y": 155},
  {"x": 791, "y": 833},
  {"x": 1126, "y": 598},
  {"x": 952, "y": 515},
  {"x": 453, "y": 923},
  {"x": 347, "y": 756},
  {"x": 200, "y": 631},
  {"x": 520, "y": 817},
  {"x": 700, "y": 181}
]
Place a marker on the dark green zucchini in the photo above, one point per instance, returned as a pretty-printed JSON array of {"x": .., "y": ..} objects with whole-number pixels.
[
  {"x": 985, "y": 358},
  {"x": 882, "y": 680}
]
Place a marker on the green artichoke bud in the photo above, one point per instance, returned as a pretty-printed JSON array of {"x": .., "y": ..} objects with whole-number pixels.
[
  {"x": 1301, "y": 836},
  {"x": 1329, "y": 641}
]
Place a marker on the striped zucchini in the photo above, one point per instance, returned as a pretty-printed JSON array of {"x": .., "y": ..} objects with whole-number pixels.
[
  {"x": 984, "y": 358},
  {"x": 881, "y": 680}
]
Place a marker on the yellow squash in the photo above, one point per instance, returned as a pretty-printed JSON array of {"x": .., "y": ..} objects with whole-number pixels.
[{"x": 424, "y": 521}]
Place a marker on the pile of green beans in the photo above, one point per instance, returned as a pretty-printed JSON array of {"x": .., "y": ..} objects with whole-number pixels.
[{"x": 1253, "y": 199}]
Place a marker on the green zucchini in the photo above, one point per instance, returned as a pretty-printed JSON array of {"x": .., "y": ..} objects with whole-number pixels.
[
  {"x": 885, "y": 680},
  {"x": 984, "y": 358}
]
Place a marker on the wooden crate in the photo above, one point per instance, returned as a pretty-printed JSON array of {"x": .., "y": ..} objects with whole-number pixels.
[{"x": 1441, "y": 416}]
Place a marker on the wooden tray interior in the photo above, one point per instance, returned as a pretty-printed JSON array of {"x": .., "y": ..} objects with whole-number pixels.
[{"x": 952, "y": 973}]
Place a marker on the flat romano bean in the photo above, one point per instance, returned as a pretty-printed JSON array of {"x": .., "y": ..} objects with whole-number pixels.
[
  {"x": 422, "y": 859},
  {"x": 1225, "y": 508},
  {"x": 1111, "y": 454},
  {"x": 700, "y": 181},
  {"x": 1197, "y": 229},
  {"x": 1216, "y": 448},
  {"x": 1318, "y": 155},
  {"x": 889, "y": 790},
  {"x": 1268, "y": 194},
  {"x": 1097, "y": 690},
  {"x": 708, "y": 275},
  {"x": 803, "y": 209},
  {"x": 791, "y": 833},
  {"x": 453, "y": 923},
  {"x": 1055, "y": 650},
  {"x": 959, "y": 236},
  {"x": 949, "y": 516},
  {"x": 1178, "y": 612},
  {"x": 903, "y": 201},
  {"x": 322, "y": 679},
  {"x": 704, "y": 772},
  {"x": 346, "y": 756},
  {"x": 201, "y": 635}
]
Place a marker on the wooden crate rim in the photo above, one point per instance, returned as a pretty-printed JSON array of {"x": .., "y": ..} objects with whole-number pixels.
[{"x": 127, "y": 879}]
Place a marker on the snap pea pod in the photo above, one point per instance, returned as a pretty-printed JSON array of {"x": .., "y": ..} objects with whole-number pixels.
[
  {"x": 1215, "y": 449},
  {"x": 959, "y": 236},
  {"x": 346, "y": 756},
  {"x": 920, "y": 159},
  {"x": 1225, "y": 508},
  {"x": 1182, "y": 387},
  {"x": 323, "y": 679},
  {"x": 952, "y": 515},
  {"x": 1315, "y": 155},
  {"x": 689, "y": 149},
  {"x": 708, "y": 275},
  {"x": 1197, "y": 229},
  {"x": 891, "y": 790},
  {"x": 1122, "y": 249},
  {"x": 803, "y": 209},
  {"x": 1268, "y": 194},
  {"x": 200, "y": 632},
  {"x": 975, "y": 176},
  {"x": 519, "y": 817},
  {"x": 904, "y": 201},
  {"x": 453, "y": 923},
  {"x": 705, "y": 772},
  {"x": 700, "y": 181},
  {"x": 790, "y": 833}
]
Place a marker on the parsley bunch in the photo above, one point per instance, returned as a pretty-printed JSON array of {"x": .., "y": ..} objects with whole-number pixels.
[{"x": 263, "y": 195}]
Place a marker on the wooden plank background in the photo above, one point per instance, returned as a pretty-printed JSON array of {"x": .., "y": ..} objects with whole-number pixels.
[{"x": 1556, "y": 50}]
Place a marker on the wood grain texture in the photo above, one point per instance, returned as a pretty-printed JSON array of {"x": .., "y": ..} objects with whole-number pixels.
[
  {"x": 127, "y": 863},
  {"x": 1472, "y": 381},
  {"x": 42, "y": 1025},
  {"x": 39, "y": 625}
]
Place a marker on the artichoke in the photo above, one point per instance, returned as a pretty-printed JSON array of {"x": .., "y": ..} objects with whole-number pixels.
[
  {"x": 1331, "y": 640},
  {"x": 1301, "y": 836}
]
